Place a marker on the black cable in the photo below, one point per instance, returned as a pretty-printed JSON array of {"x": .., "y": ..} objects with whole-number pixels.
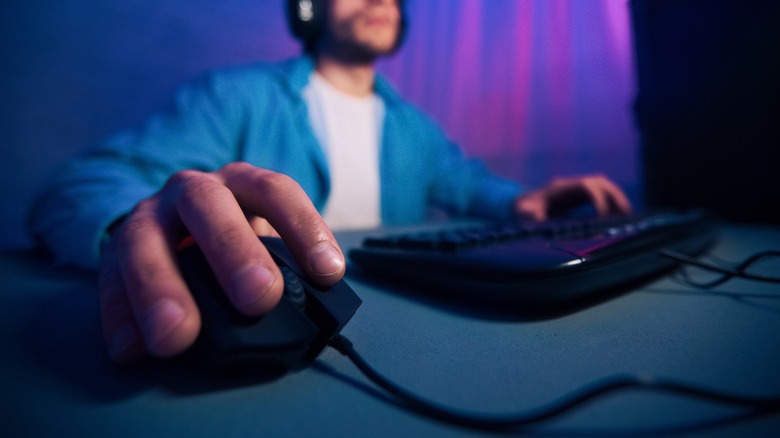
[
  {"x": 513, "y": 422},
  {"x": 726, "y": 274}
]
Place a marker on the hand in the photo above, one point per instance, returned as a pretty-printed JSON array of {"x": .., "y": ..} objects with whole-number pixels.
[
  {"x": 145, "y": 304},
  {"x": 563, "y": 194}
]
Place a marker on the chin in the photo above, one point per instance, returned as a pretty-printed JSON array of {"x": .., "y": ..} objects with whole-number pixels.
[{"x": 366, "y": 52}]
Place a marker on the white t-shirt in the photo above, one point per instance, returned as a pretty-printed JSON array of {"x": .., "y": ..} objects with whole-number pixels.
[{"x": 349, "y": 130}]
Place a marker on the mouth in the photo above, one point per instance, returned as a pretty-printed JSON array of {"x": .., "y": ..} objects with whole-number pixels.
[
  {"x": 378, "y": 16},
  {"x": 377, "y": 21}
]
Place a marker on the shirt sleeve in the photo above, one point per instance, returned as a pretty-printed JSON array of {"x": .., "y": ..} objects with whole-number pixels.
[
  {"x": 461, "y": 185},
  {"x": 105, "y": 182},
  {"x": 465, "y": 186}
]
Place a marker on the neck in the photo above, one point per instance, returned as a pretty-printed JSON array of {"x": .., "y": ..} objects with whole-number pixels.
[{"x": 356, "y": 79}]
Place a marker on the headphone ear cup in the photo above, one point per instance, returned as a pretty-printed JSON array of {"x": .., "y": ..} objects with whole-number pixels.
[{"x": 305, "y": 18}]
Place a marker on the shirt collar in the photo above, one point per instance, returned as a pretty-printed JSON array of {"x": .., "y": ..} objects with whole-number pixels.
[{"x": 299, "y": 70}]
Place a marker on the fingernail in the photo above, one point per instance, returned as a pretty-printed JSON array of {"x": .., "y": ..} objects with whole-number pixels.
[
  {"x": 325, "y": 259},
  {"x": 161, "y": 320},
  {"x": 249, "y": 285}
]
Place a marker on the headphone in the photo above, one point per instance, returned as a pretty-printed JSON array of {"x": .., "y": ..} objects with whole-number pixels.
[{"x": 306, "y": 20}]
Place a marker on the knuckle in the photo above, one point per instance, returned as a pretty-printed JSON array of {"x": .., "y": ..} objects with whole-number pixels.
[
  {"x": 273, "y": 179},
  {"x": 184, "y": 177},
  {"x": 186, "y": 186},
  {"x": 274, "y": 183},
  {"x": 190, "y": 182},
  {"x": 558, "y": 181},
  {"x": 592, "y": 183},
  {"x": 142, "y": 218},
  {"x": 263, "y": 181},
  {"x": 144, "y": 208},
  {"x": 237, "y": 167}
]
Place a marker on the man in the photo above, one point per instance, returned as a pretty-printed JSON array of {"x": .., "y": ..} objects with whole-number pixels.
[{"x": 262, "y": 150}]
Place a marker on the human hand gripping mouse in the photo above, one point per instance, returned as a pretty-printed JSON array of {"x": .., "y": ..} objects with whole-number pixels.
[{"x": 146, "y": 307}]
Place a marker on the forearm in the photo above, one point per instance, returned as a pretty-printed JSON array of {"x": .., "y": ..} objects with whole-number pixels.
[
  {"x": 466, "y": 187},
  {"x": 71, "y": 217}
]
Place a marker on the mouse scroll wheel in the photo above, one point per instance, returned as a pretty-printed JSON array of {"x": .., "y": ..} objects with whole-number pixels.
[{"x": 293, "y": 287}]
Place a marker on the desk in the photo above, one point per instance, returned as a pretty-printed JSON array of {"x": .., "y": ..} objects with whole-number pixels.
[{"x": 56, "y": 380}]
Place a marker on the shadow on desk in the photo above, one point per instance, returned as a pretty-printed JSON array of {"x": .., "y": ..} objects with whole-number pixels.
[
  {"x": 472, "y": 307},
  {"x": 58, "y": 326},
  {"x": 767, "y": 302}
]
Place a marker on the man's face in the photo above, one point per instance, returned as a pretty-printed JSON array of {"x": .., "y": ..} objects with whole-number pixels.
[{"x": 362, "y": 29}]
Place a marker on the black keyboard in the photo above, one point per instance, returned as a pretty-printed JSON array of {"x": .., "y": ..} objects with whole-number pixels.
[{"x": 536, "y": 264}]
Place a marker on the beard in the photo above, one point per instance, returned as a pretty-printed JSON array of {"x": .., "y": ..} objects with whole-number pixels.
[{"x": 349, "y": 44}]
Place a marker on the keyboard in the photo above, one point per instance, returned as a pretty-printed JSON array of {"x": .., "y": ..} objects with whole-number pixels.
[{"x": 535, "y": 264}]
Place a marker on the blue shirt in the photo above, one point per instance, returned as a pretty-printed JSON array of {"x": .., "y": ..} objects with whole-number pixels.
[{"x": 257, "y": 114}]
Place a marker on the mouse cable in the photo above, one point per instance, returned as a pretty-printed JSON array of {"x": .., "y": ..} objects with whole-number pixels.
[
  {"x": 516, "y": 421},
  {"x": 726, "y": 274}
]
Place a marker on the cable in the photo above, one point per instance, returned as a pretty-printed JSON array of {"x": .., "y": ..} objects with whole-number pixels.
[
  {"x": 726, "y": 274},
  {"x": 513, "y": 422}
]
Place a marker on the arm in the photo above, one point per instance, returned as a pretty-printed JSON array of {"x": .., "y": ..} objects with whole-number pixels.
[
  {"x": 563, "y": 194},
  {"x": 422, "y": 168},
  {"x": 467, "y": 187}
]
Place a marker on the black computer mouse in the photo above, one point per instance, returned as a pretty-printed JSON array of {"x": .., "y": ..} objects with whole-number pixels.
[{"x": 289, "y": 337}]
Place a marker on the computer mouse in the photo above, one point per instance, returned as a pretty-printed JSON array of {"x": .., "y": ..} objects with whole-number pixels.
[{"x": 287, "y": 338}]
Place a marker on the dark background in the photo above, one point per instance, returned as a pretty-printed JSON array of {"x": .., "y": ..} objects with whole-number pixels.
[{"x": 708, "y": 105}]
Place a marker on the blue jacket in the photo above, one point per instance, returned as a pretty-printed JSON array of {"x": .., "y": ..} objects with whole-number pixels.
[{"x": 257, "y": 114}]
